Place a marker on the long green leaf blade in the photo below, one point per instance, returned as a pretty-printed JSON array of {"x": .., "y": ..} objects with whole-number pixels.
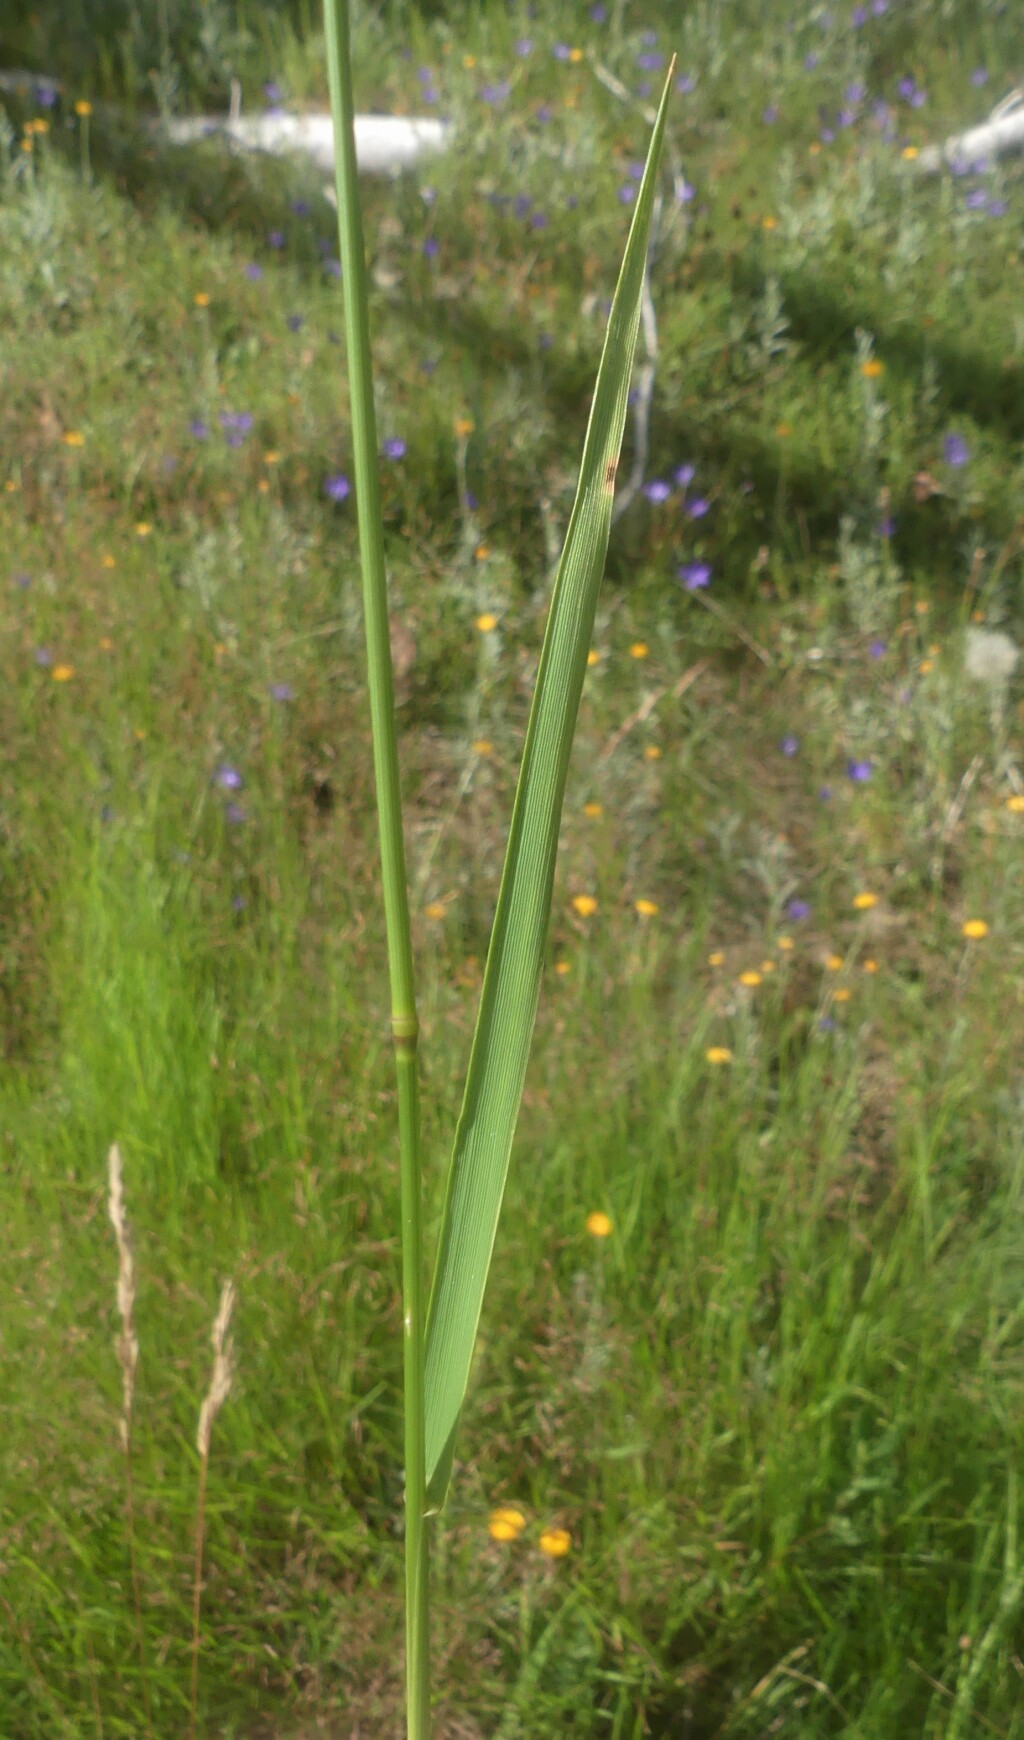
[{"x": 508, "y": 1002}]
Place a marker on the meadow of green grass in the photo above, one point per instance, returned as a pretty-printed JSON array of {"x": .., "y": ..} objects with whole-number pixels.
[{"x": 778, "y": 1408}]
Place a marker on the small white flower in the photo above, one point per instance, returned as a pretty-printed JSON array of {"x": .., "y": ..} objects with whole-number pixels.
[{"x": 990, "y": 657}]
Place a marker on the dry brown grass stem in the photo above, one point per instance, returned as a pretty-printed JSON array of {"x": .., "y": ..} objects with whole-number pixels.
[
  {"x": 216, "y": 1396},
  {"x": 127, "y": 1346}
]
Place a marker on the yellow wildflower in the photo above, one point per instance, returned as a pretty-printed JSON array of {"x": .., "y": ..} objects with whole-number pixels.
[
  {"x": 593, "y": 656},
  {"x": 73, "y": 438},
  {"x": 436, "y": 909},
  {"x": 909, "y": 152},
  {"x": 842, "y": 995},
  {"x": 718, "y": 1054},
  {"x": 593, "y": 810},
  {"x": 271, "y": 457},
  {"x": 1016, "y": 803},
  {"x": 83, "y": 108},
  {"x": 486, "y": 622},
  {"x": 769, "y": 223},
  {"x": 638, "y": 650},
  {"x": 646, "y": 908},
  {"x": 463, "y": 426},
  {"x": 975, "y": 929},
  {"x": 108, "y": 561},
  {"x": 143, "y": 529},
  {"x": 652, "y": 752},
  {"x": 785, "y": 943},
  {"x": 834, "y": 963},
  {"x": 561, "y": 968},
  {"x": 63, "y": 673},
  {"x": 202, "y": 299},
  {"x": 783, "y": 430},
  {"x": 506, "y": 1523},
  {"x": 870, "y": 966},
  {"x": 585, "y": 905},
  {"x": 599, "y": 1224},
  {"x": 483, "y": 746},
  {"x": 481, "y": 552},
  {"x": 750, "y": 979},
  {"x": 555, "y": 1543},
  {"x": 864, "y": 902},
  {"x": 872, "y": 368},
  {"x": 717, "y": 959}
]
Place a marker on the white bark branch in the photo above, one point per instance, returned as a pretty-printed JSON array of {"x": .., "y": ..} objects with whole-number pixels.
[{"x": 1003, "y": 131}]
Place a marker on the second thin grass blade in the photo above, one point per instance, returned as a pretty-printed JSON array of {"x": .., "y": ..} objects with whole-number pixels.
[{"x": 508, "y": 1001}]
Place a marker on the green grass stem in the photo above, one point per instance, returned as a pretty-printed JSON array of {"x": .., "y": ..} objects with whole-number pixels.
[{"x": 404, "y": 1023}]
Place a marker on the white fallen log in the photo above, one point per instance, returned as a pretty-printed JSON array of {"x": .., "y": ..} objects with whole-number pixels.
[
  {"x": 385, "y": 144},
  {"x": 1002, "y": 132}
]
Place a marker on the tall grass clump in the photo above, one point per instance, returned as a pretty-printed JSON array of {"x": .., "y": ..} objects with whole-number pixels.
[{"x": 438, "y": 1346}]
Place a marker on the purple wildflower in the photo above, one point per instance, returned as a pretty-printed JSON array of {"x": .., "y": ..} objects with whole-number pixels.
[
  {"x": 812, "y": 60},
  {"x": 686, "y": 83},
  {"x": 685, "y": 474},
  {"x": 598, "y": 13},
  {"x": 276, "y": 238},
  {"x": 979, "y": 77},
  {"x": 236, "y": 425},
  {"x": 301, "y": 207},
  {"x": 238, "y": 903},
  {"x": 650, "y": 62},
  {"x": 43, "y": 657},
  {"x": 282, "y": 692},
  {"x": 797, "y": 910},
  {"x": 273, "y": 94},
  {"x": 23, "y": 581},
  {"x": 337, "y": 486},
  {"x": 627, "y": 193},
  {"x": 431, "y": 247},
  {"x": 955, "y": 450},
  {"x": 235, "y": 814},
  {"x": 524, "y": 47},
  {"x": 561, "y": 51},
  {"x": 886, "y": 526},
  {"x": 790, "y": 746},
  {"x": 46, "y": 96},
  {"x": 877, "y": 649},
  {"x": 522, "y": 205},
  {"x": 294, "y": 322},
  {"x": 859, "y": 771},
  {"x": 254, "y": 272},
  {"x": 698, "y": 507},
  {"x": 770, "y": 115},
  {"x": 198, "y": 429},
  {"x": 495, "y": 93},
  {"x": 684, "y": 191},
  {"x": 394, "y": 448},
  {"x": 657, "y": 490},
  {"x": 859, "y": 17},
  {"x": 539, "y": 220},
  {"x": 695, "y": 575},
  {"x": 997, "y": 208},
  {"x": 636, "y": 172},
  {"x": 977, "y": 199},
  {"x": 825, "y": 794},
  {"x": 228, "y": 777}
]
